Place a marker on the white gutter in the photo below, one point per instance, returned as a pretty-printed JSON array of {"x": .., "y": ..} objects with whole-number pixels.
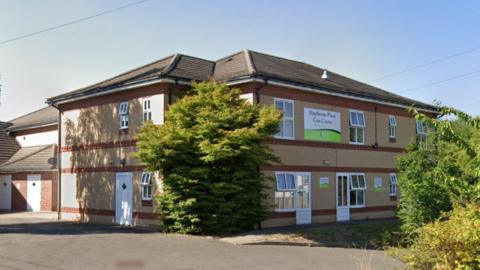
[
  {"x": 315, "y": 90},
  {"x": 247, "y": 80},
  {"x": 123, "y": 88}
]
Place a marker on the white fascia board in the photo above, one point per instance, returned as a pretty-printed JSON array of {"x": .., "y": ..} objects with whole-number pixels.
[{"x": 123, "y": 88}]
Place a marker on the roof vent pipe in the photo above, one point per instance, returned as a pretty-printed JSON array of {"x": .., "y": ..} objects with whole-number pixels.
[{"x": 325, "y": 74}]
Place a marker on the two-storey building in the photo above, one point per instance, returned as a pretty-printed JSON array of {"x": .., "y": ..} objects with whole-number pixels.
[{"x": 338, "y": 139}]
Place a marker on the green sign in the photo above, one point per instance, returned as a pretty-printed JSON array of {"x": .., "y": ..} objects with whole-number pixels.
[
  {"x": 320, "y": 125},
  {"x": 324, "y": 182}
]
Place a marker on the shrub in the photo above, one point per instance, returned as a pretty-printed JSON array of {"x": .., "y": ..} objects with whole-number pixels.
[
  {"x": 440, "y": 172},
  {"x": 451, "y": 242},
  {"x": 210, "y": 151}
]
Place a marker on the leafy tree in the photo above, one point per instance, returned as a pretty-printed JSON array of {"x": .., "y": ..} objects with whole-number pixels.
[
  {"x": 209, "y": 152},
  {"x": 438, "y": 173}
]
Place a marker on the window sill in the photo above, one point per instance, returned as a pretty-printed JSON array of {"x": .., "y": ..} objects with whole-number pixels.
[
  {"x": 284, "y": 210},
  {"x": 123, "y": 131},
  {"x": 392, "y": 140},
  {"x": 284, "y": 138},
  {"x": 357, "y": 206},
  {"x": 354, "y": 143},
  {"x": 147, "y": 203}
]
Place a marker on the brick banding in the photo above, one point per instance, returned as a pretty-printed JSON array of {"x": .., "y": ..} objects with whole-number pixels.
[
  {"x": 332, "y": 212},
  {"x": 105, "y": 212}
]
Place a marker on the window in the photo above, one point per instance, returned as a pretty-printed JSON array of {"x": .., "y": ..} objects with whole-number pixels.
[
  {"x": 123, "y": 112},
  {"x": 147, "y": 110},
  {"x": 392, "y": 126},
  {"x": 421, "y": 128},
  {"x": 285, "y": 191},
  {"x": 146, "y": 186},
  {"x": 357, "y": 190},
  {"x": 393, "y": 184},
  {"x": 357, "y": 127},
  {"x": 286, "y": 129}
]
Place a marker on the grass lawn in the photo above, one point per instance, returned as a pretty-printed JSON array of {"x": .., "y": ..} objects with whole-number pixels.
[{"x": 363, "y": 235}]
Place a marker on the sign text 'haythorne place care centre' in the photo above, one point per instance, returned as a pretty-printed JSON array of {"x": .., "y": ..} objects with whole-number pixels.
[{"x": 321, "y": 125}]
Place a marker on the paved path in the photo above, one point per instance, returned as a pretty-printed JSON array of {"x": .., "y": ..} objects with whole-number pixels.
[{"x": 30, "y": 242}]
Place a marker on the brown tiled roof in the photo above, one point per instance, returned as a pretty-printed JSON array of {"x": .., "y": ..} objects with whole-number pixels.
[
  {"x": 8, "y": 143},
  {"x": 245, "y": 65},
  {"x": 43, "y": 117},
  {"x": 34, "y": 158},
  {"x": 176, "y": 66},
  {"x": 302, "y": 74}
]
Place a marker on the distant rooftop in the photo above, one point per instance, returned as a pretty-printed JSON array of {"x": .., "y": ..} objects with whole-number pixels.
[
  {"x": 33, "y": 158},
  {"x": 44, "y": 117},
  {"x": 8, "y": 143}
]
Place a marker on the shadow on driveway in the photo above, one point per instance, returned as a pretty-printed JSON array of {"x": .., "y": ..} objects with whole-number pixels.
[{"x": 67, "y": 228}]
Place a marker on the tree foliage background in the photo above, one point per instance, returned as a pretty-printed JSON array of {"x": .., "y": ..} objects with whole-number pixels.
[
  {"x": 441, "y": 172},
  {"x": 209, "y": 152}
]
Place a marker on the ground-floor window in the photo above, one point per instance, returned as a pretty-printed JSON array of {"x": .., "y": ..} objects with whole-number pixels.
[
  {"x": 146, "y": 186},
  {"x": 292, "y": 191},
  {"x": 285, "y": 191},
  {"x": 357, "y": 190}
]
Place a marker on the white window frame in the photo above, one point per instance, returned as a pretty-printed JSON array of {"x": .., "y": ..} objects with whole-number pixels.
[
  {"x": 357, "y": 190},
  {"x": 421, "y": 130},
  {"x": 293, "y": 190},
  {"x": 285, "y": 119},
  {"x": 356, "y": 126},
  {"x": 393, "y": 184},
  {"x": 392, "y": 126},
  {"x": 146, "y": 182},
  {"x": 123, "y": 114},
  {"x": 147, "y": 110}
]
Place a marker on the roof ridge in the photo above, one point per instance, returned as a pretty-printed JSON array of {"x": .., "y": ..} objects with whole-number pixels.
[
  {"x": 250, "y": 65},
  {"x": 8, "y": 162},
  {"x": 284, "y": 58},
  {"x": 173, "y": 63},
  {"x": 228, "y": 56}
]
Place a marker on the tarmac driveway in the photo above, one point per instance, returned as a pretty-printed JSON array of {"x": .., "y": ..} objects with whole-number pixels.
[{"x": 37, "y": 241}]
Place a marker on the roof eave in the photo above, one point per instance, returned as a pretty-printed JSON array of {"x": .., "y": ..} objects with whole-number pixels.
[
  {"x": 156, "y": 80},
  {"x": 326, "y": 91}
]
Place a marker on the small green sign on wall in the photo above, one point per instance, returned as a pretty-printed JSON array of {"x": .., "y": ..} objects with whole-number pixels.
[
  {"x": 377, "y": 185},
  {"x": 324, "y": 182}
]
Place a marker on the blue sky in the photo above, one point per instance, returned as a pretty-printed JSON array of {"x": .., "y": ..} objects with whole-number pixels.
[{"x": 360, "y": 39}]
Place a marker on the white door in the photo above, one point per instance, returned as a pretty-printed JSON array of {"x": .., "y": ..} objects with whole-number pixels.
[
  {"x": 5, "y": 192},
  {"x": 123, "y": 199},
  {"x": 303, "y": 199},
  {"x": 34, "y": 189},
  {"x": 343, "y": 200}
]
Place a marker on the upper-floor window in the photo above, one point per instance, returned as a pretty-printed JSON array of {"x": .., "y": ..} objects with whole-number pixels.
[
  {"x": 393, "y": 184},
  {"x": 421, "y": 128},
  {"x": 392, "y": 126},
  {"x": 357, "y": 127},
  {"x": 147, "y": 110},
  {"x": 357, "y": 190},
  {"x": 146, "y": 186},
  {"x": 286, "y": 128},
  {"x": 123, "y": 114}
]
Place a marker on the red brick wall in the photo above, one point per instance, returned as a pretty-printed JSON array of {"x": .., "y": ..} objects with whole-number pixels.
[{"x": 48, "y": 192}]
